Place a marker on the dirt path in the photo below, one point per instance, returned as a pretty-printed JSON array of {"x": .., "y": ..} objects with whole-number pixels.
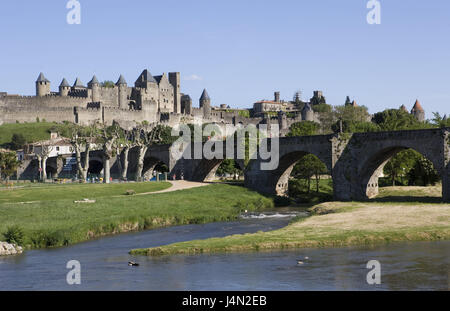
[{"x": 178, "y": 185}]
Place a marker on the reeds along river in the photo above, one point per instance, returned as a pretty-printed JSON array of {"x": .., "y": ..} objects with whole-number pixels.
[{"x": 104, "y": 264}]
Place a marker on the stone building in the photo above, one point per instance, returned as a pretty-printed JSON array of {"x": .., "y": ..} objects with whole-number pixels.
[{"x": 152, "y": 99}]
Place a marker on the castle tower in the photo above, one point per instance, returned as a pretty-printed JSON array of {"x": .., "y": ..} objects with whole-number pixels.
[
  {"x": 418, "y": 111},
  {"x": 42, "y": 86},
  {"x": 78, "y": 84},
  {"x": 123, "y": 95},
  {"x": 205, "y": 103},
  {"x": 307, "y": 113},
  {"x": 174, "y": 79},
  {"x": 348, "y": 102},
  {"x": 64, "y": 88},
  {"x": 403, "y": 108},
  {"x": 277, "y": 97},
  {"x": 95, "y": 86},
  {"x": 186, "y": 104},
  {"x": 282, "y": 120}
]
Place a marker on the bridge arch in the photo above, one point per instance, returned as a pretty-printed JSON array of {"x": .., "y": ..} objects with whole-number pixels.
[
  {"x": 95, "y": 166},
  {"x": 150, "y": 163},
  {"x": 372, "y": 164}
]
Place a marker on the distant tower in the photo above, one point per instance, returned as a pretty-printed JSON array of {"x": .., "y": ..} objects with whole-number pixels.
[
  {"x": 354, "y": 104},
  {"x": 418, "y": 111},
  {"x": 205, "y": 103},
  {"x": 78, "y": 85},
  {"x": 186, "y": 104},
  {"x": 123, "y": 94},
  {"x": 95, "y": 86},
  {"x": 174, "y": 79},
  {"x": 403, "y": 108},
  {"x": 307, "y": 113},
  {"x": 348, "y": 102},
  {"x": 277, "y": 97},
  {"x": 64, "y": 88},
  {"x": 42, "y": 86},
  {"x": 282, "y": 120}
]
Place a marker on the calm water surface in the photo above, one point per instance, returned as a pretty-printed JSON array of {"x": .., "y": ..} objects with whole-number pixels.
[{"x": 405, "y": 266}]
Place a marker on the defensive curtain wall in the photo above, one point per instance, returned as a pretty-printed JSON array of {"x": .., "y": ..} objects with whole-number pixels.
[{"x": 355, "y": 161}]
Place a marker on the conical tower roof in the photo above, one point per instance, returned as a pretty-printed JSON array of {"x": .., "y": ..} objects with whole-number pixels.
[
  {"x": 205, "y": 95},
  {"x": 42, "y": 78},
  {"x": 121, "y": 80},
  {"x": 417, "y": 106},
  {"x": 78, "y": 83},
  {"x": 145, "y": 76},
  {"x": 64, "y": 83},
  {"x": 94, "y": 80}
]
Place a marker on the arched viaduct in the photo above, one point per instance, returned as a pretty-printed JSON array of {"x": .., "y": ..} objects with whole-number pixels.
[{"x": 354, "y": 160}]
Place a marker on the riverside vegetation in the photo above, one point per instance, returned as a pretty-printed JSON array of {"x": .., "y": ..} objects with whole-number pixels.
[
  {"x": 53, "y": 219},
  {"x": 388, "y": 219}
]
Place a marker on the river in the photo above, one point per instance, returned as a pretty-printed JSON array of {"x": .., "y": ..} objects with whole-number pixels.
[{"x": 404, "y": 266}]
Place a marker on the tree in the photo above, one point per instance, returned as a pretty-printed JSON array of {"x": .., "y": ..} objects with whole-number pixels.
[
  {"x": 440, "y": 121},
  {"x": 401, "y": 164},
  {"x": 18, "y": 141},
  {"x": 423, "y": 173},
  {"x": 42, "y": 155},
  {"x": 82, "y": 140},
  {"x": 308, "y": 167},
  {"x": 305, "y": 128},
  {"x": 8, "y": 164},
  {"x": 397, "y": 119},
  {"x": 108, "y": 84},
  {"x": 352, "y": 113},
  {"x": 349, "y": 126},
  {"x": 107, "y": 138},
  {"x": 144, "y": 135}
]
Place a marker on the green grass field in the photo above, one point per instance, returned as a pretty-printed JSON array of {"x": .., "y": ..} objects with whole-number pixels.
[
  {"x": 59, "y": 222},
  {"x": 31, "y": 131},
  {"x": 338, "y": 224},
  {"x": 56, "y": 192}
]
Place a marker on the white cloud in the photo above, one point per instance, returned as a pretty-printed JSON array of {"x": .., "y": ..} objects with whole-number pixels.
[{"x": 193, "y": 78}]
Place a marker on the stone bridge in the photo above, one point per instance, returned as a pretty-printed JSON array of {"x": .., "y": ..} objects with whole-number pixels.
[{"x": 355, "y": 161}]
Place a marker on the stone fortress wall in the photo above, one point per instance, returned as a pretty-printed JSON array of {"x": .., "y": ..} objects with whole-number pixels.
[{"x": 152, "y": 99}]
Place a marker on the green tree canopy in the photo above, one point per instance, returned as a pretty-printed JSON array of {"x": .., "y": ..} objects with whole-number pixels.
[
  {"x": 8, "y": 164},
  {"x": 305, "y": 128}
]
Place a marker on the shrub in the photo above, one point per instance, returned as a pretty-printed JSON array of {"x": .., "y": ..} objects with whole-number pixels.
[{"x": 14, "y": 235}]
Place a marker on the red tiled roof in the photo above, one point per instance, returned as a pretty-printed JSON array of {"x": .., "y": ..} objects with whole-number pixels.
[{"x": 417, "y": 106}]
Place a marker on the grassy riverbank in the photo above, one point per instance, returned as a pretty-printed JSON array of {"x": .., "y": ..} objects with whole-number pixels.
[
  {"x": 56, "y": 192},
  {"x": 59, "y": 221},
  {"x": 338, "y": 224}
]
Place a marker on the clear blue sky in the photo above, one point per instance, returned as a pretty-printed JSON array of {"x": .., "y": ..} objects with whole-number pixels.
[{"x": 243, "y": 50}]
